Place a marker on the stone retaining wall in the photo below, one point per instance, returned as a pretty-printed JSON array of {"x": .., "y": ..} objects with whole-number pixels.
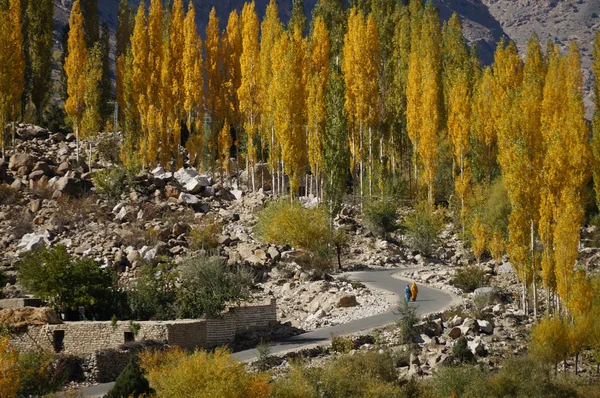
[{"x": 84, "y": 338}]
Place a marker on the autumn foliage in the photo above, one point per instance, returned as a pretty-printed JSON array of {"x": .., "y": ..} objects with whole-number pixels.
[{"x": 174, "y": 373}]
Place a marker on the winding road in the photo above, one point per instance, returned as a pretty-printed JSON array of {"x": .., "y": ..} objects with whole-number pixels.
[{"x": 429, "y": 300}]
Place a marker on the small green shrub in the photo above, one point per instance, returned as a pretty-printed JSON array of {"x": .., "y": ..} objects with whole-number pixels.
[
  {"x": 422, "y": 226},
  {"x": 363, "y": 375},
  {"x": 154, "y": 295},
  {"x": 469, "y": 278},
  {"x": 205, "y": 236},
  {"x": 461, "y": 351},
  {"x": 379, "y": 216},
  {"x": 108, "y": 148},
  {"x": 208, "y": 283},
  {"x": 264, "y": 356},
  {"x": 464, "y": 381},
  {"x": 111, "y": 183},
  {"x": 40, "y": 374},
  {"x": 407, "y": 319},
  {"x": 342, "y": 344},
  {"x": 130, "y": 383}
]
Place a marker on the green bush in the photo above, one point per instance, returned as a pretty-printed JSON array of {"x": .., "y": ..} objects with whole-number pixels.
[
  {"x": 130, "y": 383},
  {"x": 66, "y": 282},
  {"x": 380, "y": 216},
  {"x": 465, "y": 381},
  {"x": 469, "y": 278},
  {"x": 40, "y": 374},
  {"x": 153, "y": 296},
  {"x": 422, "y": 226},
  {"x": 111, "y": 183},
  {"x": 461, "y": 351},
  {"x": 208, "y": 283},
  {"x": 109, "y": 148},
  {"x": 366, "y": 374},
  {"x": 525, "y": 377},
  {"x": 407, "y": 319}
]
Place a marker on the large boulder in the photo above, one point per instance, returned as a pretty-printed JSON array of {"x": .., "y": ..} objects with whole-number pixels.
[
  {"x": 191, "y": 181},
  {"x": 71, "y": 186},
  {"x": 29, "y": 132},
  {"x": 347, "y": 301},
  {"x": 19, "y": 161},
  {"x": 31, "y": 242}
]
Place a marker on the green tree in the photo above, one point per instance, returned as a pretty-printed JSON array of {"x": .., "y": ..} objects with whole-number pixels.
[
  {"x": 336, "y": 156},
  {"x": 91, "y": 22},
  {"x": 38, "y": 57},
  {"x": 208, "y": 283},
  {"x": 65, "y": 282},
  {"x": 298, "y": 19},
  {"x": 130, "y": 383}
]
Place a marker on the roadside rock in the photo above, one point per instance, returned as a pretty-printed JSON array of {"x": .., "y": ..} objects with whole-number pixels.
[{"x": 347, "y": 301}]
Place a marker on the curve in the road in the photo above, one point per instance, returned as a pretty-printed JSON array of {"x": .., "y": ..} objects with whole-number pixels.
[{"x": 429, "y": 300}]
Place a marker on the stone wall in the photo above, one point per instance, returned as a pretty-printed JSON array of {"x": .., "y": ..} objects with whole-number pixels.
[
  {"x": 84, "y": 338},
  {"x": 20, "y": 303}
]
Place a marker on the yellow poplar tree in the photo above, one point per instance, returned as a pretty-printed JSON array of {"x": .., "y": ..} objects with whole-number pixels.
[
  {"x": 316, "y": 102},
  {"x": 75, "y": 69},
  {"x": 271, "y": 31},
  {"x": 596, "y": 119},
  {"x": 176, "y": 81},
  {"x": 140, "y": 75},
  {"x": 232, "y": 79},
  {"x": 483, "y": 127},
  {"x": 225, "y": 143},
  {"x": 91, "y": 119},
  {"x": 153, "y": 117},
  {"x": 565, "y": 170},
  {"x": 431, "y": 96},
  {"x": 12, "y": 65},
  {"x": 520, "y": 155},
  {"x": 360, "y": 67},
  {"x": 214, "y": 78},
  {"x": 193, "y": 82},
  {"x": 288, "y": 64},
  {"x": 459, "y": 128},
  {"x": 249, "y": 91}
]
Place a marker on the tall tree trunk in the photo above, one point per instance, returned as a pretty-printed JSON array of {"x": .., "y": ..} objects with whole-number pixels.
[
  {"x": 77, "y": 141},
  {"x": 533, "y": 267},
  {"x": 370, "y": 161},
  {"x": 14, "y": 145}
]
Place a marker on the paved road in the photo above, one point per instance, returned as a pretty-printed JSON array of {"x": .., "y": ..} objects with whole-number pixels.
[{"x": 429, "y": 300}]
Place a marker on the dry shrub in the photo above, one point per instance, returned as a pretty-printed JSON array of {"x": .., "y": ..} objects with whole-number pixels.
[
  {"x": 21, "y": 224},
  {"x": 18, "y": 317},
  {"x": 71, "y": 212},
  {"x": 175, "y": 373},
  {"x": 9, "y": 196},
  {"x": 137, "y": 237},
  {"x": 205, "y": 235}
]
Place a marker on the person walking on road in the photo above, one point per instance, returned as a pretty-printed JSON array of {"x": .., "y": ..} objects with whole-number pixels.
[
  {"x": 407, "y": 293},
  {"x": 414, "y": 290}
]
